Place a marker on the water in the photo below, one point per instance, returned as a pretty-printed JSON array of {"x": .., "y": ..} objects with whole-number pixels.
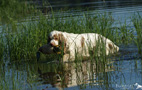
[{"x": 120, "y": 73}]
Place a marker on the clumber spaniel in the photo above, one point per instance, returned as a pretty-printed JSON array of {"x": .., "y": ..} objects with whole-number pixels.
[{"x": 79, "y": 45}]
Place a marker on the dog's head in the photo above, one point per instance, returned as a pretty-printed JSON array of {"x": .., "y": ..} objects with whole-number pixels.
[
  {"x": 57, "y": 39},
  {"x": 56, "y": 44}
]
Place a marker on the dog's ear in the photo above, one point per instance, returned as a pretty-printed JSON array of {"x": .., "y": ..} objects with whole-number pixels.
[
  {"x": 62, "y": 42},
  {"x": 110, "y": 46}
]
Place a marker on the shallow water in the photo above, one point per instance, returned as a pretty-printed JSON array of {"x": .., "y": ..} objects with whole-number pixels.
[{"x": 121, "y": 72}]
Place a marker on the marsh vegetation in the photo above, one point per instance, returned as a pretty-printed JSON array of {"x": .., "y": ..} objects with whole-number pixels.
[{"x": 25, "y": 29}]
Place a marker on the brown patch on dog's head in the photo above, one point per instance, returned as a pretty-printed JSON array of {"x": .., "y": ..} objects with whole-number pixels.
[
  {"x": 59, "y": 37},
  {"x": 56, "y": 37}
]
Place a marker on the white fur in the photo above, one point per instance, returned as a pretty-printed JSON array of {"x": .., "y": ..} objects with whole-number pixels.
[
  {"x": 55, "y": 42},
  {"x": 74, "y": 44}
]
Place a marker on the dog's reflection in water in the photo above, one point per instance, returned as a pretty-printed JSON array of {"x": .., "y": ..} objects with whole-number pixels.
[{"x": 71, "y": 74}]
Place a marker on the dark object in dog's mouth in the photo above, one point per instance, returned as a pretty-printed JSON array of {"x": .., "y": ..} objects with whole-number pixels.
[{"x": 56, "y": 49}]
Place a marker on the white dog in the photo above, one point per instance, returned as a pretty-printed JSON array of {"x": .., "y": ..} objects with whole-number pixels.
[{"x": 80, "y": 44}]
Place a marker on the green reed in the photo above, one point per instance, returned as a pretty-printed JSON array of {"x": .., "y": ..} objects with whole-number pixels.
[
  {"x": 137, "y": 21},
  {"x": 24, "y": 39},
  {"x": 1, "y": 48},
  {"x": 21, "y": 40}
]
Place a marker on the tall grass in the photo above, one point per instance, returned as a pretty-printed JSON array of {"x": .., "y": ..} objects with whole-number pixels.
[
  {"x": 20, "y": 40},
  {"x": 137, "y": 21},
  {"x": 1, "y": 48},
  {"x": 23, "y": 39},
  {"x": 126, "y": 34}
]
